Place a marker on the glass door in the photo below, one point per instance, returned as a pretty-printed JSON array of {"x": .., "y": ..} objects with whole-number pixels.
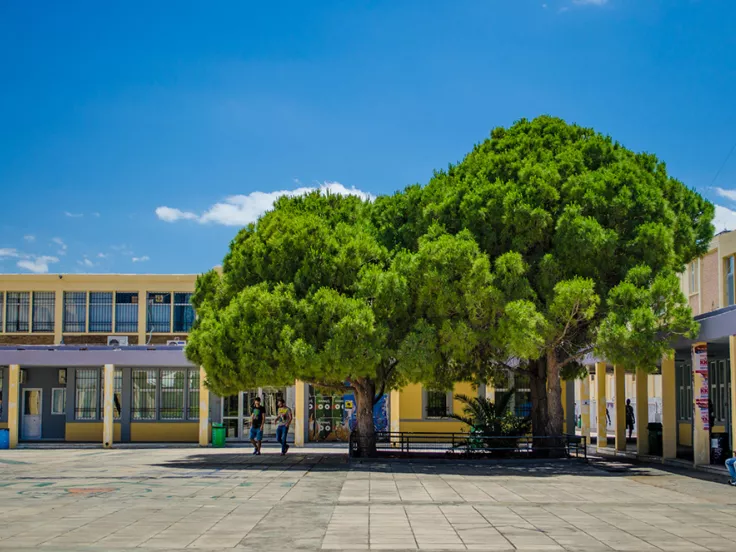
[{"x": 231, "y": 417}]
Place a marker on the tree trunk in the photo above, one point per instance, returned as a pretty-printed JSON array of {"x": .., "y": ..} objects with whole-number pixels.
[
  {"x": 538, "y": 386},
  {"x": 555, "y": 413},
  {"x": 365, "y": 390}
]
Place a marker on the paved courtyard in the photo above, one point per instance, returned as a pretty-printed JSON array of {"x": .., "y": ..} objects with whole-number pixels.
[{"x": 226, "y": 499}]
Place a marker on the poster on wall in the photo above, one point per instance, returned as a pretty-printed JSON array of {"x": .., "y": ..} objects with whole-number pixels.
[
  {"x": 332, "y": 415},
  {"x": 700, "y": 383}
]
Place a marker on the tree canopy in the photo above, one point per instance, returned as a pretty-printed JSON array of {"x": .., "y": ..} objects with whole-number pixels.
[{"x": 547, "y": 242}]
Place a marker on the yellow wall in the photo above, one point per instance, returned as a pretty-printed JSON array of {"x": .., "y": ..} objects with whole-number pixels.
[
  {"x": 89, "y": 432},
  {"x": 184, "y": 432},
  {"x": 3, "y": 425},
  {"x": 412, "y": 414}
]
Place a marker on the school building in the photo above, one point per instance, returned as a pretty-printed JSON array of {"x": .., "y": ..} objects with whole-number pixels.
[{"x": 100, "y": 358}]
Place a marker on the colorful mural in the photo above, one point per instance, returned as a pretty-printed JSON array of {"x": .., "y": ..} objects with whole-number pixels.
[{"x": 332, "y": 415}]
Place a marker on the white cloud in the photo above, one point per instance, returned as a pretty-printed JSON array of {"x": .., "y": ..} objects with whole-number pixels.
[
  {"x": 728, "y": 194},
  {"x": 73, "y": 215},
  {"x": 725, "y": 219},
  {"x": 86, "y": 262},
  {"x": 239, "y": 210},
  {"x": 39, "y": 265},
  {"x": 168, "y": 214},
  {"x": 101, "y": 256},
  {"x": 142, "y": 259},
  {"x": 96, "y": 215},
  {"x": 61, "y": 244},
  {"x": 6, "y": 252},
  {"x": 590, "y": 2},
  {"x": 29, "y": 238}
]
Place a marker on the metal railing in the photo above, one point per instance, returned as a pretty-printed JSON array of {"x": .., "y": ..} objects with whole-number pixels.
[{"x": 474, "y": 445}]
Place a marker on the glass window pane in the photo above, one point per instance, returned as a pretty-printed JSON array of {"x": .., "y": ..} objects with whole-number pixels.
[
  {"x": 183, "y": 312},
  {"x": 2, "y": 375},
  {"x": 87, "y": 393},
  {"x": 75, "y": 311},
  {"x": 172, "y": 394},
  {"x": 58, "y": 401},
  {"x": 100, "y": 311},
  {"x": 159, "y": 312},
  {"x": 193, "y": 395},
  {"x": 2, "y": 309},
  {"x": 144, "y": 394},
  {"x": 126, "y": 312},
  {"x": 436, "y": 404},
  {"x": 43, "y": 311},
  {"x": 17, "y": 311}
]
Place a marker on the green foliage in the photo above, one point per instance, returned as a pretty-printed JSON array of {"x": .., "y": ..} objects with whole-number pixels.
[{"x": 492, "y": 419}]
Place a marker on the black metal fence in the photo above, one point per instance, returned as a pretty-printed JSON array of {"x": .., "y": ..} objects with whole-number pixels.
[{"x": 474, "y": 445}]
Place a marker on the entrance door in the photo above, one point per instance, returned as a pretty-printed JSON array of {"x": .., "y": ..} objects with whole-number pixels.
[
  {"x": 231, "y": 417},
  {"x": 31, "y": 429},
  {"x": 236, "y": 411}
]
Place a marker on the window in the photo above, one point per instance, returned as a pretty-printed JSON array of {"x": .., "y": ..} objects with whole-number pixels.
[
  {"x": 522, "y": 396},
  {"x": 43, "y": 311},
  {"x": 694, "y": 277},
  {"x": 16, "y": 319},
  {"x": 173, "y": 384},
  {"x": 729, "y": 280},
  {"x": 2, "y": 309},
  {"x": 2, "y": 377},
  {"x": 159, "y": 312},
  {"x": 144, "y": 394},
  {"x": 87, "y": 393},
  {"x": 58, "y": 401},
  {"x": 75, "y": 311},
  {"x": 684, "y": 392},
  {"x": 437, "y": 404},
  {"x": 100, "y": 311},
  {"x": 193, "y": 412},
  {"x": 126, "y": 312},
  {"x": 718, "y": 378},
  {"x": 183, "y": 312},
  {"x": 117, "y": 389}
]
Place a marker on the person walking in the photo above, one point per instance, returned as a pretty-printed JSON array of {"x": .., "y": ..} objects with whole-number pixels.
[
  {"x": 630, "y": 420},
  {"x": 283, "y": 421},
  {"x": 257, "y": 418},
  {"x": 731, "y": 467}
]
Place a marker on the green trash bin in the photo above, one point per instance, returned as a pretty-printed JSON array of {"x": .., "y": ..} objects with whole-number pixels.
[
  {"x": 218, "y": 435},
  {"x": 655, "y": 438}
]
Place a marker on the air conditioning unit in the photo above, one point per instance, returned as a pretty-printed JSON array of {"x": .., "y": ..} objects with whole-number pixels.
[
  {"x": 117, "y": 340},
  {"x": 176, "y": 343}
]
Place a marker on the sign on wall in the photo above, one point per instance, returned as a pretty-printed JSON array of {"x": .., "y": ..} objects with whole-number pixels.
[{"x": 700, "y": 385}]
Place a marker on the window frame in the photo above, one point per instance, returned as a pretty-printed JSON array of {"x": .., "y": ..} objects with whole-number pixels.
[
  {"x": 135, "y": 298},
  {"x": 150, "y": 318},
  {"x": 184, "y": 390},
  {"x": 189, "y": 409},
  {"x": 20, "y": 295},
  {"x": 2, "y": 312},
  {"x": 425, "y": 404},
  {"x": 111, "y": 306},
  {"x": 157, "y": 378},
  {"x": 694, "y": 279},
  {"x": 96, "y": 393},
  {"x": 67, "y": 305},
  {"x": 54, "y": 390},
  {"x": 50, "y": 307},
  {"x": 186, "y": 307},
  {"x": 730, "y": 277}
]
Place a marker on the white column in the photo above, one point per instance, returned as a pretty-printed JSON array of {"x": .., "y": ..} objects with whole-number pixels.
[
  {"x": 107, "y": 410},
  {"x": 13, "y": 401}
]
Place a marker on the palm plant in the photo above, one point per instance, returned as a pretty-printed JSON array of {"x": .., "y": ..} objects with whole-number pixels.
[{"x": 490, "y": 420}]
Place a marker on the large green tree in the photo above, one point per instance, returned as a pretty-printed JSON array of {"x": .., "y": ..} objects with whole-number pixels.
[
  {"x": 596, "y": 234},
  {"x": 309, "y": 293}
]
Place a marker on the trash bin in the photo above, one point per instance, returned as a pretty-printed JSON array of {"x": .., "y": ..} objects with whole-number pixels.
[
  {"x": 655, "y": 438},
  {"x": 4, "y": 439},
  {"x": 218, "y": 435},
  {"x": 719, "y": 449}
]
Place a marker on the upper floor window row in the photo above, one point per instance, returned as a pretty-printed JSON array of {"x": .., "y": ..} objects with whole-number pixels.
[
  {"x": 120, "y": 310},
  {"x": 95, "y": 312},
  {"x": 27, "y": 311}
]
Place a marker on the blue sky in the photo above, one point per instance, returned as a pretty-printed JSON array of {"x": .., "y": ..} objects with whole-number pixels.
[{"x": 137, "y": 136}]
